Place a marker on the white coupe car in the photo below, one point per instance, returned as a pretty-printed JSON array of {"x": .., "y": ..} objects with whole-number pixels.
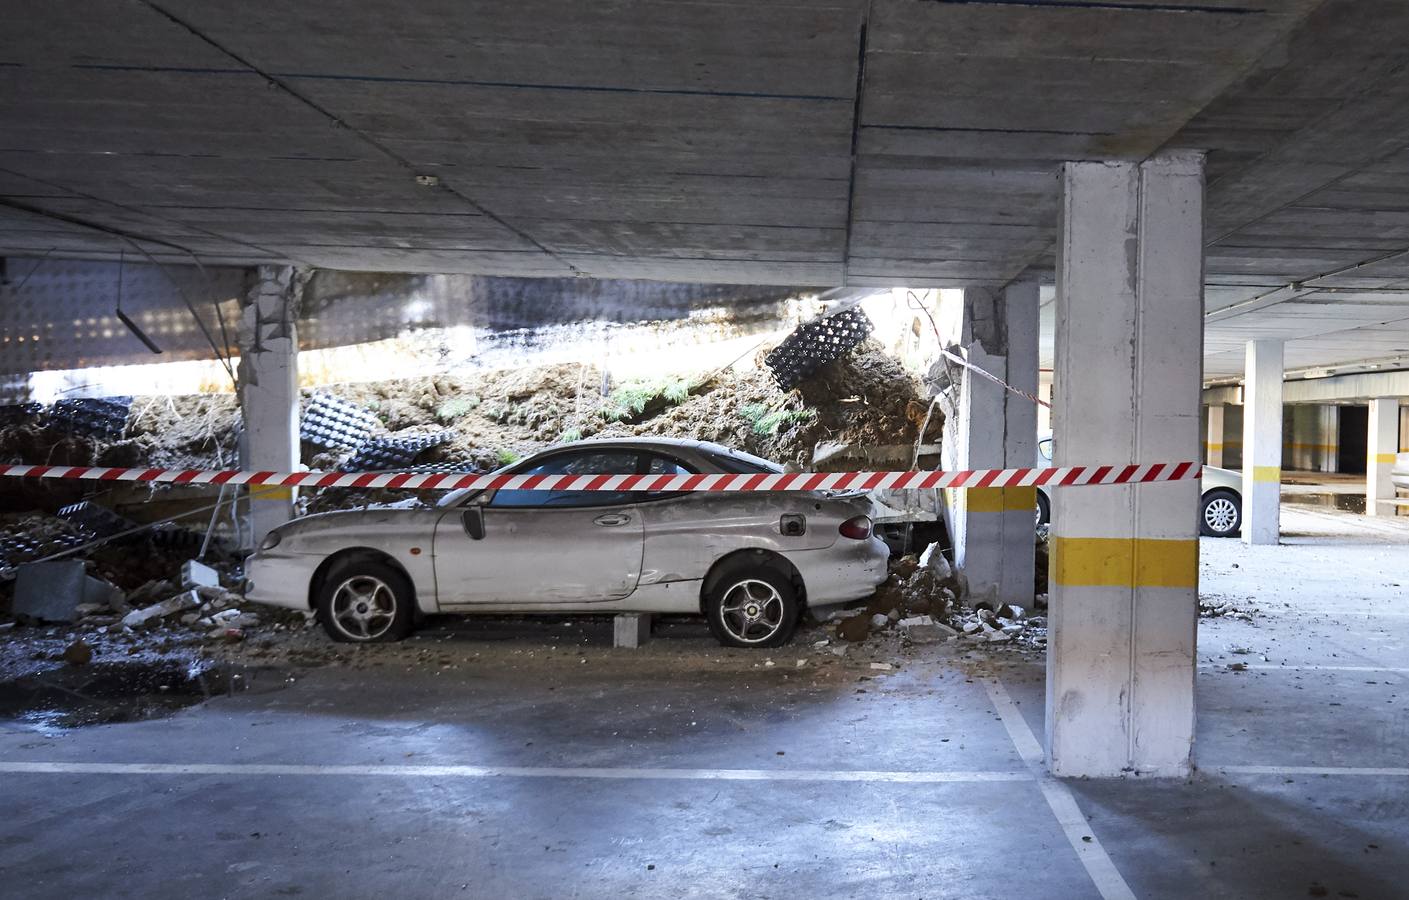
[
  {"x": 1220, "y": 504},
  {"x": 750, "y": 562}
]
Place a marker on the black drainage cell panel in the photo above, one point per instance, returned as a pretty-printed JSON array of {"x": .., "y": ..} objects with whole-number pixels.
[
  {"x": 816, "y": 343},
  {"x": 99, "y": 417},
  {"x": 385, "y": 454},
  {"x": 331, "y": 423}
]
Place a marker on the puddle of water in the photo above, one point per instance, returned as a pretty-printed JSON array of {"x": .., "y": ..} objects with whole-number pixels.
[
  {"x": 1345, "y": 502},
  {"x": 101, "y": 693}
]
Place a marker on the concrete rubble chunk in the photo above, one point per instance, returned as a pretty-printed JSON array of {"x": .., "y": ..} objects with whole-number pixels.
[
  {"x": 879, "y": 621},
  {"x": 916, "y": 620},
  {"x": 631, "y": 630},
  {"x": 53, "y": 591},
  {"x": 196, "y": 574},
  {"x": 171, "y": 606}
]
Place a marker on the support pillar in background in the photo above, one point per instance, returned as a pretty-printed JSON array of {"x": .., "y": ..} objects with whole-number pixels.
[
  {"x": 1214, "y": 443},
  {"x": 268, "y": 389},
  {"x": 1262, "y": 443},
  {"x": 1129, "y": 354},
  {"x": 992, "y": 428},
  {"x": 1380, "y": 447}
]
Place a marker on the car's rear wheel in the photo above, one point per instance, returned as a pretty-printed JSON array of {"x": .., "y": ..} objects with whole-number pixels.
[
  {"x": 1044, "y": 509},
  {"x": 1220, "y": 514},
  {"x": 365, "y": 602},
  {"x": 752, "y": 606}
]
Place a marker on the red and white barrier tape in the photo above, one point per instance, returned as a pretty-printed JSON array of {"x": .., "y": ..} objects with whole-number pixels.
[{"x": 1067, "y": 476}]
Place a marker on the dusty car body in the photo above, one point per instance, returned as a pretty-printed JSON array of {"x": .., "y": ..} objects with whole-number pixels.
[
  {"x": 367, "y": 571},
  {"x": 1220, "y": 496}
]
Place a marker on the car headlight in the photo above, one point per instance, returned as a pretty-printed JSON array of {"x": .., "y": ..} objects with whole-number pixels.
[{"x": 271, "y": 540}]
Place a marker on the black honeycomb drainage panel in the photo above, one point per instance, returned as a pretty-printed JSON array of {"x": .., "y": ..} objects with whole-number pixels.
[
  {"x": 331, "y": 423},
  {"x": 816, "y": 343},
  {"x": 19, "y": 413},
  {"x": 99, "y": 417},
  {"x": 388, "y": 453}
]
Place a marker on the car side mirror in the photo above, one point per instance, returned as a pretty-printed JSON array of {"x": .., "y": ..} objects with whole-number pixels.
[{"x": 473, "y": 517}]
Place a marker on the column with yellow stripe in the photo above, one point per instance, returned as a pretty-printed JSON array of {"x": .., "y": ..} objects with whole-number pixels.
[
  {"x": 1262, "y": 443},
  {"x": 1124, "y": 567}
]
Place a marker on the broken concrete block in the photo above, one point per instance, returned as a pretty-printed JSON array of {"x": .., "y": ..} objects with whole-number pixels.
[
  {"x": 879, "y": 621},
  {"x": 929, "y": 634},
  {"x": 198, "y": 574},
  {"x": 52, "y": 591},
  {"x": 916, "y": 620},
  {"x": 84, "y": 610},
  {"x": 934, "y": 560},
  {"x": 138, "y": 617},
  {"x": 631, "y": 630}
]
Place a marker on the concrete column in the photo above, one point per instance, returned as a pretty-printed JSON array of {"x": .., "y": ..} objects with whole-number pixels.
[
  {"x": 1329, "y": 425},
  {"x": 268, "y": 389},
  {"x": 993, "y": 428},
  {"x": 1380, "y": 447},
  {"x": 1124, "y": 604},
  {"x": 1262, "y": 443},
  {"x": 1213, "y": 454}
]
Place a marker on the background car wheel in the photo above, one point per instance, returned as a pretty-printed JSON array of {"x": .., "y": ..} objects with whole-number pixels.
[
  {"x": 1044, "y": 509},
  {"x": 1220, "y": 514},
  {"x": 365, "y": 602},
  {"x": 752, "y": 606}
]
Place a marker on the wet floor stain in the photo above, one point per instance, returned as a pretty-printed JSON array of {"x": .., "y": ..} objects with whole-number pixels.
[{"x": 103, "y": 693}]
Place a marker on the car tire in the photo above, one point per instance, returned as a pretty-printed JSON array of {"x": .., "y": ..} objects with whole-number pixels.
[
  {"x": 363, "y": 601},
  {"x": 1044, "y": 510},
  {"x": 751, "y": 606},
  {"x": 1220, "y": 514}
]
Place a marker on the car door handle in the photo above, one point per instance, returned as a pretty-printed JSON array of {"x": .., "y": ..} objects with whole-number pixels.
[{"x": 610, "y": 519}]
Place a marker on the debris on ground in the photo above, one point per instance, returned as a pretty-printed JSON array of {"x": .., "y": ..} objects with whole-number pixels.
[{"x": 1212, "y": 606}]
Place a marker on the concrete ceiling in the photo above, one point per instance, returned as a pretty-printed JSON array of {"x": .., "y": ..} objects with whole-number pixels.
[{"x": 817, "y": 142}]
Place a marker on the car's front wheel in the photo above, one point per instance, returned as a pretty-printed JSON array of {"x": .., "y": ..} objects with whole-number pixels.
[
  {"x": 1044, "y": 510},
  {"x": 752, "y": 606},
  {"x": 1220, "y": 514},
  {"x": 365, "y": 602}
]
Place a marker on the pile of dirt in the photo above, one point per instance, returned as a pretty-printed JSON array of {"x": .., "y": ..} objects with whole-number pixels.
[{"x": 197, "y": 431}]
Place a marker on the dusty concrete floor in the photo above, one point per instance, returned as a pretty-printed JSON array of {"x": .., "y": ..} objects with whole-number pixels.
[{"x": 531, "y": 760}]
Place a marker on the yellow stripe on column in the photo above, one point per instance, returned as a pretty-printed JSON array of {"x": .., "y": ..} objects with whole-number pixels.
[
  {"x": 1125, "y": 562},
  {"x": 277, "y": 492},
  {"x": 1266, "y": 473},
  {"x": 1215, "y": 446},
  {"x": 993, "y": 499},
  {"x": 1382, "y": 459}
]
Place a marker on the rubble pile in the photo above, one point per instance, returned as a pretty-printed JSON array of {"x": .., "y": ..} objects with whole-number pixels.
[
  {"x": 193, "y": 607},
  {"x": 919, "y": 604},
  {"x": 1213, "y": 606}
]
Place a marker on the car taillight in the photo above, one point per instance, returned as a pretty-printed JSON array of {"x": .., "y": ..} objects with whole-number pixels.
[{"x": 858, "y": 528}]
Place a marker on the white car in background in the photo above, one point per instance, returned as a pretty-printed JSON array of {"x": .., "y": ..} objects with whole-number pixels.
[
  {"x": 1220, "y": 508},
  {"x": 749, "y": 562}
]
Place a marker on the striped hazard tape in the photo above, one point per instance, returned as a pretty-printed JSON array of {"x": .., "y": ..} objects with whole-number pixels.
[{"x": 1065, "y": 476}]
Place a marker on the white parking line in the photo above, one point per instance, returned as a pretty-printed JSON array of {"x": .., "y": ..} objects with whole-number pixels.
[
  {"x": 894, "y": 777},
  {"x": 1310, "y": 667},
  {"x": 1377, "y": 772},
  {"x": 1083, "y": 840}
]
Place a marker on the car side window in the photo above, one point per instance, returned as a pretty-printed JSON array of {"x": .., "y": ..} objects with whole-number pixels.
[
  {"x": 662, "y": 465},
  {"x": 586, "y": 462}
]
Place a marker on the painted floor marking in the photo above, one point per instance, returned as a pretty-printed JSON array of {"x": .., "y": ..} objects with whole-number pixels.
[
  {"x": 1376, "y": 772},
  {"x": 1103, "y": 872},
  {"x": 455, "y": 771}
]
